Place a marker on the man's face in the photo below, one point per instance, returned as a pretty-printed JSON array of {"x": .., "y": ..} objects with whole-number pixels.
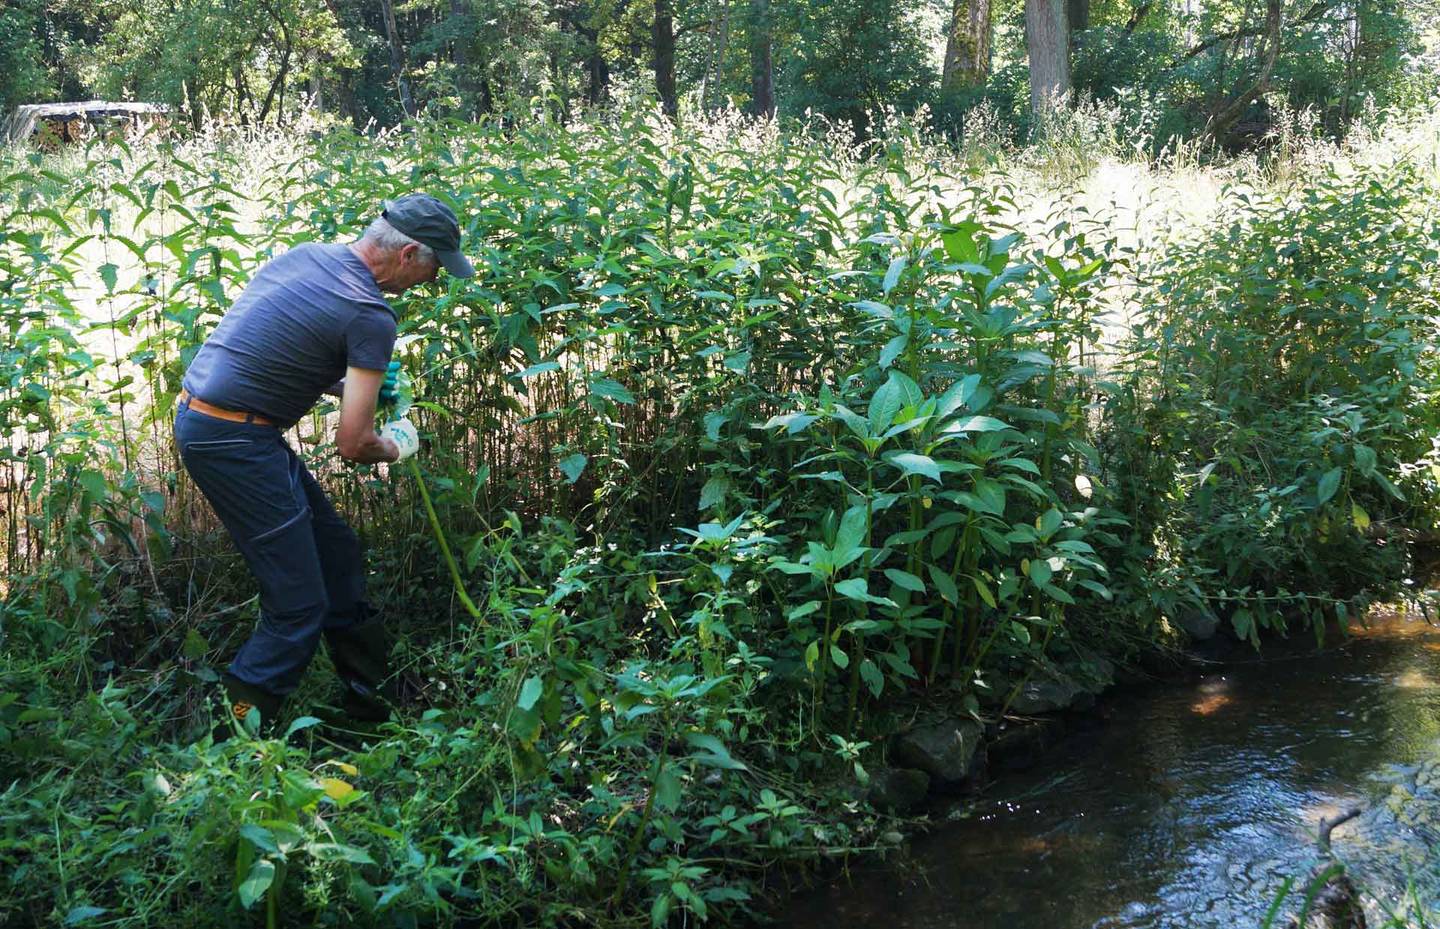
[{"x": 411, "y": 269}]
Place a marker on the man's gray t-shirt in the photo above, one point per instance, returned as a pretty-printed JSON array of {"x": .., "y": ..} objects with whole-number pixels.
[{"x": 302, "y": 320}]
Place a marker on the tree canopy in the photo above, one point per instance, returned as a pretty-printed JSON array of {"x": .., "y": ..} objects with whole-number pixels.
[{"x": 1181, "y": 68}]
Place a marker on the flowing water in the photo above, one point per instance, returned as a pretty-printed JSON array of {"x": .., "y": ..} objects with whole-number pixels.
[{"x": 1192, "y": 804}]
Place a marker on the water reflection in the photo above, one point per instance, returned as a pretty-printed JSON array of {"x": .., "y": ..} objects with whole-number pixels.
[{"x": 1191, "y": 806}]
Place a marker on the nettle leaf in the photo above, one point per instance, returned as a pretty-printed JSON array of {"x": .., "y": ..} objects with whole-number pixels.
[
  {"x": 1329, "y": 483},
  {"x": 898, "y": 392},
  {"x": 334, "y": 851},
  {"x": 738, "y": 362},
  {"x": 713, "y": 423},
  {"x": 851, "y": 534},
  {"x": 716, "y": 533},
  {"x": 905, "y": 580},
  {"x": 892, "y": 274},
  {"x": 257, "y": 882},
  {"x": 660, "y": 911},
  {"x": 945, "y": 584},
  {"x": 878, "y": 310},
  {"x": 983, "y": 589},
  {"x": 260, "y": 837},
  {"x": 870, "y": 674},
  {"x": 304, "y": 722},
  {"x": 793, "y": 422},
  {"x": 892, "y": 350},
  {"x": 883, "y": 407},
  {"x": 974, "y": 424},
  {"x": 715, "y": 490},
  {"x": 713, "y": 752},
  {"x": 1365, "y": 459},
  {"x": 915, "y": 463},
  {"x": 530, "y": 693},
  {"x": 856, "y": 588},
  {"x": 668, "y": 788},
  {"x": 957, "y": 395},
  {"x": 573, "y": 466},
  {"x": 540, "y": 368},
  {"x": 991, "y": 495},
  {"x": 960, "y": 242},
  {"x": 803, "y": 610},
  {"x": 611, "y": 390}
]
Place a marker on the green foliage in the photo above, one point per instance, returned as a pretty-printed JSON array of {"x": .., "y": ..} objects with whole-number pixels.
[
  {"x": 26, "y": 78},
  {"x": 744, "y": 443},
  {"x": 1169, "y": 68},
  {"x": 1281, "y": 392},
  {"x": 854, "y": 58}
]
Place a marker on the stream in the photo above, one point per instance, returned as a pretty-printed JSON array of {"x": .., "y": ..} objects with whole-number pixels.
[{"x": 1192, "y": 804}]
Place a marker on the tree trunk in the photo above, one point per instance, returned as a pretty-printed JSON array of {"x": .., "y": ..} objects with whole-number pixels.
[
  {"x": 1355, "y": 49},
  {"x": 719, "y": 38},
  {"x": 317, "y": 98},
  {"x": 397, "y": 61},
  {"x": 1047, "y": 36},
  {"x": 1077, "y": 12},
  {"x": 458, "y": 50},
  {"x": 762, "y": 67},
  {"x": 1229, "y": 114},
  {"x": 460, "y": 54},
  {"x": 279, "y": 82},
  {"x": 276, "y": 85},
  {"x": 663, "y": 38},
  {"x": 596, "y": 68},
  {"x": 193, "y": 102},
  {"x": 967, "y": 46},
  {"x": 241, "y": 96}
]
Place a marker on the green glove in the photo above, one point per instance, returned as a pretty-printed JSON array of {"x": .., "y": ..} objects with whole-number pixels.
[{"x": 390, "y": 386}]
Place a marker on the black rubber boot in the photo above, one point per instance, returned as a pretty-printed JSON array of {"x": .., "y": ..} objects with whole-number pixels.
[
  {"x": 361, "y": 655},
  {"x": 240, "y": 699}
]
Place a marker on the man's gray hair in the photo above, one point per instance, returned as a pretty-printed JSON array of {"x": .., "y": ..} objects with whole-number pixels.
[{"x": 387, "y": 238}]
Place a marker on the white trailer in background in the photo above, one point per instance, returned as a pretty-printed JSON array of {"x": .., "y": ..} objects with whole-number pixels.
[{"x": 51, "y": 124}]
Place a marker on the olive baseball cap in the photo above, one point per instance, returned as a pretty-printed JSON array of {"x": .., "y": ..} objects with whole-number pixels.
[{"x": 430, "y": 222}]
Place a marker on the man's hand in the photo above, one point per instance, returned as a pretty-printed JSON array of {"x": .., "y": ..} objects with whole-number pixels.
[
  {"x": 390, "y": 385},
  {"x": 356, "y": 436},
  {"x": 403, "y": 433}
]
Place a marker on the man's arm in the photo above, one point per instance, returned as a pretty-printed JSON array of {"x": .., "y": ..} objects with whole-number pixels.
[{"x": 356, "y": 437}]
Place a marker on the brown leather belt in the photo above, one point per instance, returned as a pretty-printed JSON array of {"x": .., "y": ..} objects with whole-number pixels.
[{"x": 218, "y": 412}]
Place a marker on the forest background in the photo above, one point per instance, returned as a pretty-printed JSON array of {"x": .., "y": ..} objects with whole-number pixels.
[{"x": 1175, "y": 67}]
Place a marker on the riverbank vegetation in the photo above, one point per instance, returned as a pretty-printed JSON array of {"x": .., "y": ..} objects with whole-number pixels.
[
  {"x": 754, "y": 442},
  {"x": 750, "y": 444}
]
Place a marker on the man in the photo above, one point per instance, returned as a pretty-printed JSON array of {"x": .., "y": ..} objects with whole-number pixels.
[{"x": 312, "y": 321}]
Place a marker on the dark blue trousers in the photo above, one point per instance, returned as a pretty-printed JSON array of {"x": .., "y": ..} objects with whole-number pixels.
[{"x": 306, "y": 559}]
